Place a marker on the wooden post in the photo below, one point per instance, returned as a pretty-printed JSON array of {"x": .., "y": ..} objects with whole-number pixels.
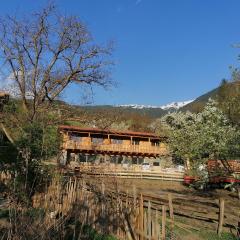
[
  {"x": 156, "y": 225},
  {"x": 145, "y": 233},
  {"x": 134, "y": 196},
  {"x": 141, "y": 217},
  {"x": 103, "y": 207},
  {"x": 127, "y": 230},
  {"x": 221, "y": 216},
  {"x": 149, "y": 227},
  {"x": 163, "y": 222},
  {"x": 170, "y": 208}
]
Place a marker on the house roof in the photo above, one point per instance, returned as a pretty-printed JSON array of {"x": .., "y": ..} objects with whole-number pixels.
[{"x": 109, "y": 131}]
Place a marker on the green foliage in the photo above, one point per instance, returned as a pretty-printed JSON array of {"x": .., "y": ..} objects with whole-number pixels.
[
  {"x": 29, "y": 178},
  {"x": 42, "y": 141},
  {"x": 92, "y": 234},
  {"x": 8, "y": 156},
  {"x": 214, "y": 236},
  {"x": 229, "y": 97},
  {"x": 34, "y": 141},
  {"x": 35, "y": 213},
  {"x": 197, "y": 137}
]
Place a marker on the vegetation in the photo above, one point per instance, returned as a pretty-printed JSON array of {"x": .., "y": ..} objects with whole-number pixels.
[
  {"x": 229, "y": 97},
  {"x": 43, "y": 55},
  {"x": 198, "y": 137}
]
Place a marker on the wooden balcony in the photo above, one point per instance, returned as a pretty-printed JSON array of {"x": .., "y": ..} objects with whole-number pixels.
[{"x": 116, "y": 148}]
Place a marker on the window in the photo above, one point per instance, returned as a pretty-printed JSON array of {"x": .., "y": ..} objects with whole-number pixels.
[
  {"x": 135, "y": 142},
  {"x": 75, "y": 137},
  {"x": 97, "y": 140},
  {"x": 155, "y": 143},
  {"x": 82, "y": 158},
  {"x": 134, "y": 160},
  {"x": 116, "y": 141}
]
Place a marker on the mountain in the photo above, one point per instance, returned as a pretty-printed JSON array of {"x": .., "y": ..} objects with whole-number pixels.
[
  {"x": 127, "y": 110},
  {"x": 176, "y": 105},
  {"x": 198, "y": 104},
  {"x": 155, "y": 111},
  {"x": 172, "y": 106},
  {"x": 133, "y": 110}
]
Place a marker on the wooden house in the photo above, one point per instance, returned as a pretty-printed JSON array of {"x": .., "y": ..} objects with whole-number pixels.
[{"x": 91, "y": 144}]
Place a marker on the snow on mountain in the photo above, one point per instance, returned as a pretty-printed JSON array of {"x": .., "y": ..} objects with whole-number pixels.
[
  {"x": 176, "y": 105},
  {"x": 138, "y": 106},
  {"x": 173, "y": 105}
]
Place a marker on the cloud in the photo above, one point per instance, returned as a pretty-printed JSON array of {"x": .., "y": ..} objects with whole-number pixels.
[{"x": 138, "y": 2}]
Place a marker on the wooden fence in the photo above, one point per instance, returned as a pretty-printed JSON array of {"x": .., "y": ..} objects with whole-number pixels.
[
  {"x": 131, "y": 173},
  {"x": 126, "y": 216},
  {"x": 129, "y": 215},
  {"x": 215, "y": 213}
]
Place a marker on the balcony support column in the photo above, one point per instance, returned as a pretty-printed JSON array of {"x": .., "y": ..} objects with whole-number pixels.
[
  {"x": 63, "y": 158},
  {"x": 76, "y": 157}
]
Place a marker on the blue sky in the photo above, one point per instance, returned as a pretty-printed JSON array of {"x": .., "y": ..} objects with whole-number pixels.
[{"x": 166, "y": 50}]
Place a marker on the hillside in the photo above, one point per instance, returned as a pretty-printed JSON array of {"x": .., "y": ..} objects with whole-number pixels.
[
  {"x": 148, "y": 111},
  {"x": 126, "y": 110},
  {"x": 198, "y": 104},
  {"x": 155, "y": 111},
  {"x": 133, "y": 110}
]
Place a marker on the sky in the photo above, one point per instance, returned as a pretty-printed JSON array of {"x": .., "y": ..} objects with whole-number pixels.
[{"x": 165, "y": 50}]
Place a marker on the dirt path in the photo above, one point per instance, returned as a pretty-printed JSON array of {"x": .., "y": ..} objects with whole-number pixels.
[{"x": 158, "y": 187}]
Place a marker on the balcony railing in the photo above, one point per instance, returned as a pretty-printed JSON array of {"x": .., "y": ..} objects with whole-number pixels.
[{"x": 115, "y": 148}]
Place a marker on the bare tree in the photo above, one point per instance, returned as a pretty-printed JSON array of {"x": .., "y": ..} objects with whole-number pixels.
[{"x": 46, "y": 52}]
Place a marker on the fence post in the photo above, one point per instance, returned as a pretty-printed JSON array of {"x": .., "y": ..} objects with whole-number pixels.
[
  {"x": 134, "y": 196},
  {"x": 149, "y": 227},
  {"x": 103, "y": 207},
  {"x": 171, "y": 208},
  {"x": 221, "y": 216},
  {"x": 156, "y": 225},
  {"x": 141, "y": 217},
  {"x": 163, "y": 222}
]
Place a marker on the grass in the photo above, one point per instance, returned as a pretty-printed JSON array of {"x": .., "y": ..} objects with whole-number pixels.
[
  {"x": 213, "y": 236},
  {"x": 193, "y": 231},
  {"x": 94, "y": 235},
  {"x": 201, "y": 234}
]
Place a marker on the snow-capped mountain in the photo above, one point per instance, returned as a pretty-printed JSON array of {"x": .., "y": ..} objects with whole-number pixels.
[
  {"x": 138, "y": 106},
  {"x": 173, "y": 105}
]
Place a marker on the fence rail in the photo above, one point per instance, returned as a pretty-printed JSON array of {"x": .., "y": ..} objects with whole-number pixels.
[
  {"x": 110, "y": 212},
  {"x": 133, "y": 216}
]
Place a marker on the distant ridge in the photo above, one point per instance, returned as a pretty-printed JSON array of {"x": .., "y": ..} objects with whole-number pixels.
[
  {"x": 173, "y": 105},
  {"x": 176, "y": 105},
  {"x": 154, "y": 111},
  {"x": 198, "y": 104}
]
